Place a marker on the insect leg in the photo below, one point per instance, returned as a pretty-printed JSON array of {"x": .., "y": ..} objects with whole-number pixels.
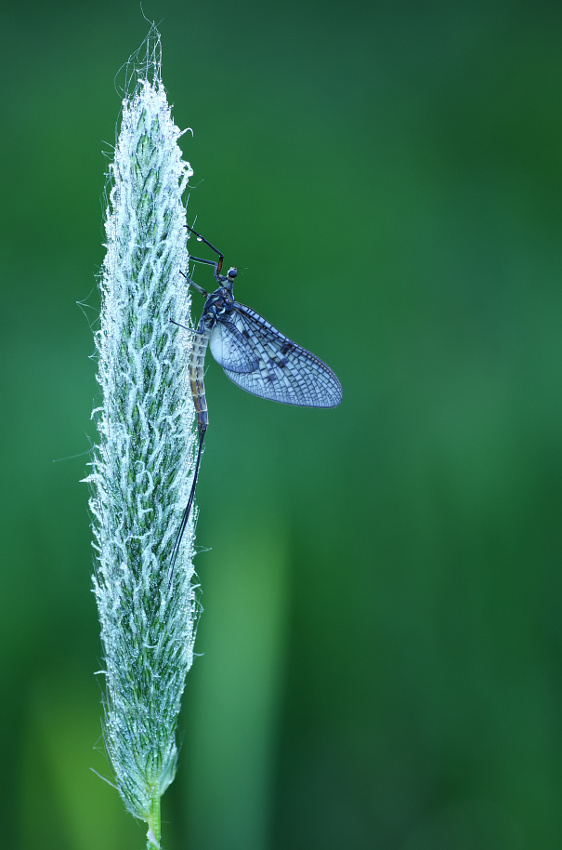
[
  {"x": 218, "y": 264},
  {"x": 192, "y": 283}
]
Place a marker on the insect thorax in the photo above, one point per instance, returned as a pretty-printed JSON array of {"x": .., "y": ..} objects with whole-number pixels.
[{"x": 217, "y": 306}]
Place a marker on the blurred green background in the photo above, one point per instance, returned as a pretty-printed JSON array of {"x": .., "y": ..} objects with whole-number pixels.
[{"x": 382, "y": 640}]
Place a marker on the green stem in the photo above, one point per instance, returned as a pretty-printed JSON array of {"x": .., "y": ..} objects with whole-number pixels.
[{"x": 154, "y": 824}]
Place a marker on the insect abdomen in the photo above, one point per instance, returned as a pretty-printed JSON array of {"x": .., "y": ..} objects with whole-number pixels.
[{"x": 196, "y": 378}]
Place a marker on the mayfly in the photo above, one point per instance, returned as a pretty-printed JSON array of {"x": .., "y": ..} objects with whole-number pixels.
[{"x": 254, "y": 355}]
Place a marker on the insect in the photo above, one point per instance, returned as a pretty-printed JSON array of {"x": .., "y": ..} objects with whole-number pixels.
[{"x": 253, "y": 354}]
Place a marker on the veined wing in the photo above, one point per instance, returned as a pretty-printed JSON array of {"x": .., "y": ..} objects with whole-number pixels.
[
  {"x": 229, "y": 346},
  {"x": 283, "y": 371}
]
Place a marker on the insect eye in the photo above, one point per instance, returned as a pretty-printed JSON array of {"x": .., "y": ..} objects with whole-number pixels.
[{"x": 232, "y": 273}]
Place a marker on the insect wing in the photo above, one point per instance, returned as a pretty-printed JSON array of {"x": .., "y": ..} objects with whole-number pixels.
[
  {"x": 229, "y": 346},
  {"x": 284, "y": 371}
]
